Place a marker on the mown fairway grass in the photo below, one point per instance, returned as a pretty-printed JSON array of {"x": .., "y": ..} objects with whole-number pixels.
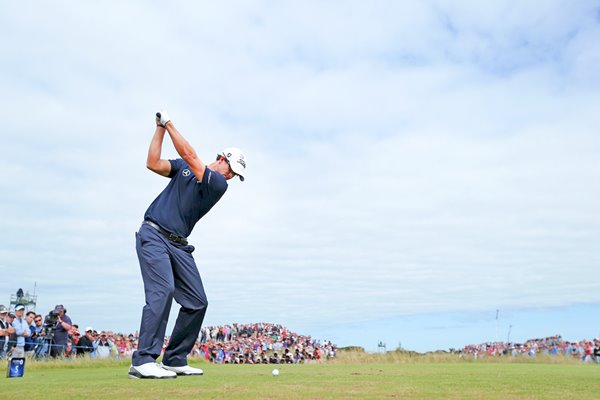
[{"x": 366, "y": 378}]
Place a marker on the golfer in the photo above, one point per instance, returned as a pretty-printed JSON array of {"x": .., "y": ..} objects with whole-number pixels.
[{"x": 168, "y": 268}]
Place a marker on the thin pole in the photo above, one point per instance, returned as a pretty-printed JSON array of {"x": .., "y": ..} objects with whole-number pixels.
[{"x": 497, "y": 312}]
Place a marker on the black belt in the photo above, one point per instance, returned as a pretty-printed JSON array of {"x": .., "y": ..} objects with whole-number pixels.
[{"x": 167, "y": 234}]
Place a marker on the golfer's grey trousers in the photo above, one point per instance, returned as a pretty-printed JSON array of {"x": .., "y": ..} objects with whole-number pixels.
[{"x": 168, "y": 270}]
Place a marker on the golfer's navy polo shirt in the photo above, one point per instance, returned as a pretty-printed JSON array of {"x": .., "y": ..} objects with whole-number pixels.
[{"x": 185, "y": 200}]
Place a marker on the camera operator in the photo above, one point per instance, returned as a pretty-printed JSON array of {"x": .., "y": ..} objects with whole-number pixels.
[{"x": 61, "y": 334}]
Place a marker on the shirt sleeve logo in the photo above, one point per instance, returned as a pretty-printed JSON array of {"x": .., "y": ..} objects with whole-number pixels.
[{"x": 185, "y": 172}]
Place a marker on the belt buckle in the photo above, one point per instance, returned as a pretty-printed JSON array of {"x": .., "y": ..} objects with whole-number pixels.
[{"x": 173, "y": 237}]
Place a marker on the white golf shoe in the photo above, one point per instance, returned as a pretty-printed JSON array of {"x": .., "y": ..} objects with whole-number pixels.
[
  {"x": 186, "y": 370},
  {"x": 150, "y": 370}
]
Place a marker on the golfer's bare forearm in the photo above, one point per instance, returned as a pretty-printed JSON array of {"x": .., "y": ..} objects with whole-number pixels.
[
  {"x": 154, "y": 162},
  {"x": 155, "y": 149}
]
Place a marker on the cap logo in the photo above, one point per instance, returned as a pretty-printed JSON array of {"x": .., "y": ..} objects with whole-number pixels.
[{"x": 240, "y": 161}]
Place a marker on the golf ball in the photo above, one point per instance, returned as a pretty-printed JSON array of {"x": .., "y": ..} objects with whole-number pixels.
[{"x": 275, "y": 372}]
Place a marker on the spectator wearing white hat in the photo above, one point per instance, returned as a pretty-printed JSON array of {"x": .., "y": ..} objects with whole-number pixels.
[
  {"x": 21, "y": 331},
  {"x": 597, "y": 350},
  {"x": 86, "y": 342}
]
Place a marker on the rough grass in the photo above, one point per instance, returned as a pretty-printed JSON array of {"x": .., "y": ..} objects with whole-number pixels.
[
  {"x": 357, "y": 357},
  {"x": 351, "y": 376}
]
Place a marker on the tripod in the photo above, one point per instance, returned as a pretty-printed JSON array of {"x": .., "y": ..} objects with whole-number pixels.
[{"x": 44, "y": 344}]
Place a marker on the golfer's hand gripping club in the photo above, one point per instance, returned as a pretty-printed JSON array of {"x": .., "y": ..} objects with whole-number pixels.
[{"x": 163, "y": 118}]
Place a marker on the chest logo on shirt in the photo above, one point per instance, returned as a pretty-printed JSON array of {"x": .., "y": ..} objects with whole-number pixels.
[{"x": 185, "y": 172}]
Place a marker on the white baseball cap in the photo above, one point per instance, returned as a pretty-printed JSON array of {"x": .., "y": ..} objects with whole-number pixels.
[{"x": 236, "y": 160}]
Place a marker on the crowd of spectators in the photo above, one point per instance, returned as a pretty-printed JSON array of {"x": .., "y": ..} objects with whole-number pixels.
[
  {"x": 234, "y": 344},
  {"x": 586, "y": 350},
  {"x": 256, "y": 343},
  {"x": 259, "y": 343}
]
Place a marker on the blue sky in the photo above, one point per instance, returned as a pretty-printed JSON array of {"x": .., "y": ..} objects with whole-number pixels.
[{"x": 410, "y": 164}]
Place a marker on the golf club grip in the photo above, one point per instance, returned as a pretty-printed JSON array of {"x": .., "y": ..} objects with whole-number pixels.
[{"x": 158, "y": 115}]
